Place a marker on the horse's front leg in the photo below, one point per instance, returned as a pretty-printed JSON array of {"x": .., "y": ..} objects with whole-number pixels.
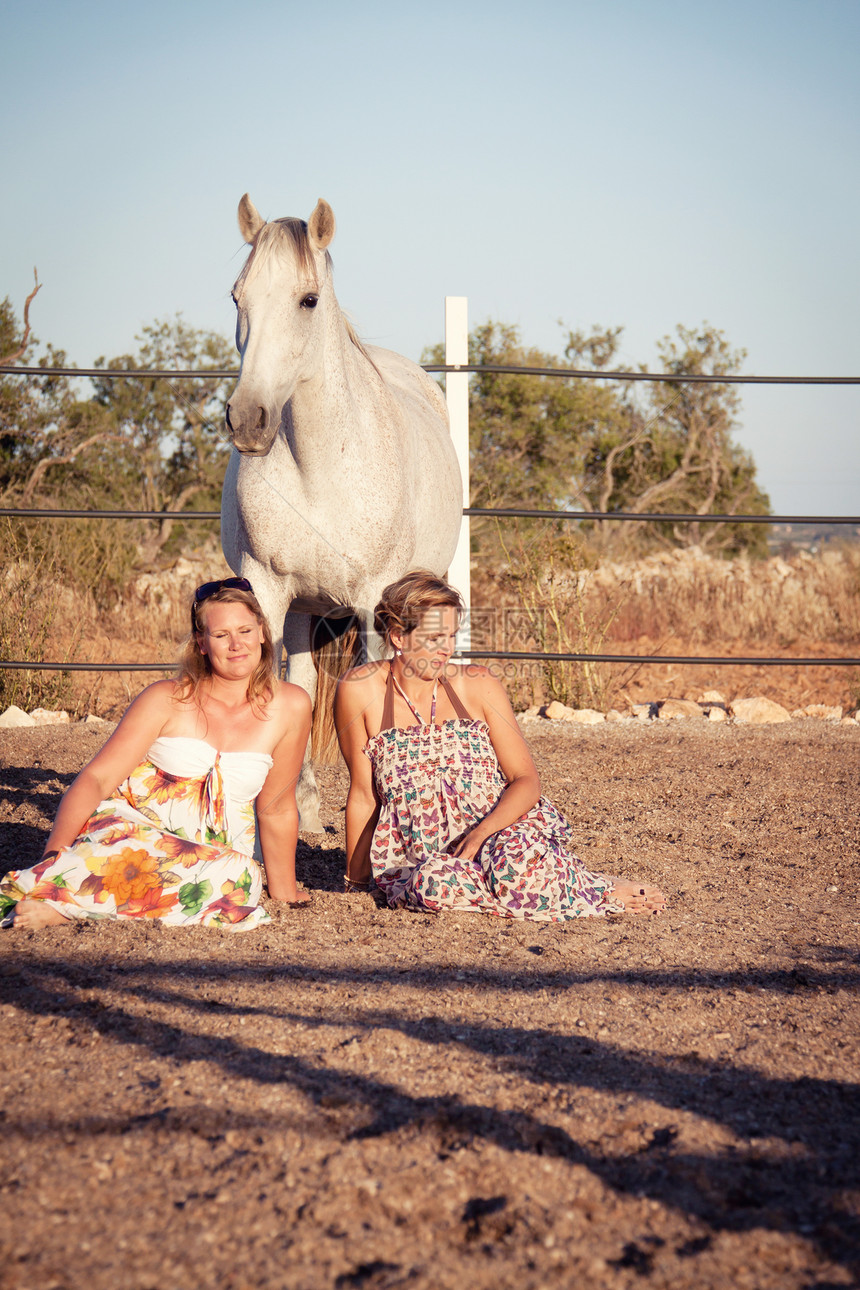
[
  {"x": 290, "y": 632},
  {"x": 301, "y": 671},
  {"x": 274, "y": 595},
  {"x": 374, "y": 645}
]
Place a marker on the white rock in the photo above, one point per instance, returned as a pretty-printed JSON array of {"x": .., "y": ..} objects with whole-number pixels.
[
  {"x": 823, "y": 712},
  {"x": 556, "y": 711},
  {"x": 848, "y": 721},
  {"x": 586, "y": 716},
  {"x": 713, "y": 696},
  {"x": 678, "y": 710},
  {"x": 644, "y": 711},
  {"x": 45, "y": 717},
  {"x": 14, "y": 717},
  {"x": 614, "y": 715},
  {"x": 758, "y": 712},
  {"x": 91, "y": 720},
  {"x": 717, "y": 714}
]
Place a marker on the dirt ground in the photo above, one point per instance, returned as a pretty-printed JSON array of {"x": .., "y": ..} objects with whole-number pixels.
[{"x": 356, "y": 1097}]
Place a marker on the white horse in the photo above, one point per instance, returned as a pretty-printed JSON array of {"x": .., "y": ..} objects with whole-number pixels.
[{"x": 344, "y": 475}]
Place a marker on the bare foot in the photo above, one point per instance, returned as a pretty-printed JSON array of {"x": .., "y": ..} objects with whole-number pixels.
[
  {"x": 637, "y": 897},
  {"x": 295, "y": 899},
  {"x": 37, "y": 913}
]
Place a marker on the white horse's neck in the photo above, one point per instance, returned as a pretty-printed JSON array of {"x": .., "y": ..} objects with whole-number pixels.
[{"x": 324, "y": 406}]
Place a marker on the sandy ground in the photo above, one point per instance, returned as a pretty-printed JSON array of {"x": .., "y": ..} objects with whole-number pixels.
[{"x": 354, "y": 1097}]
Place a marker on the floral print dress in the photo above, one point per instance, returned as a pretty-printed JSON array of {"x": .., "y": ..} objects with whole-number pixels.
[
  {"x": 435, "y": 782},
  {"x": 175, "y": 842}
]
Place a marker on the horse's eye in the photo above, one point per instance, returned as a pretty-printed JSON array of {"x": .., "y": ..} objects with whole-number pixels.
[{"x": 309, "y": 301}]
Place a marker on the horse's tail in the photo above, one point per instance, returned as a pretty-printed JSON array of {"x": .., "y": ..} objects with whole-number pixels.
[{"x": 336, "y": 647}]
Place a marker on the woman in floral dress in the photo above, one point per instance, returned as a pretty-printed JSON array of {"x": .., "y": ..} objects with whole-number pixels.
[
  {"x": 444, "y": 808},
  {"x": 161, "y": 823}
]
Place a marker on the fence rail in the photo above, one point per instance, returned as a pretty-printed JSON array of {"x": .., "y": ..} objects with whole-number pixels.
[
  {"x": 509, "y": 369},
  {"x": 584, "y": 374},
  {"x": 487, "y": 512},
  {"x": 515, "y": 656}
]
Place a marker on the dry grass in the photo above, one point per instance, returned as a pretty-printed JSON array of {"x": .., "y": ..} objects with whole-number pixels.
[
  {"x": 692, "y": 596},
  {"x": 680, "y": 602},
  {"x": 35, "y": 615},
  {"x": 700, "y": 597},
  {"x": 673, "y": 603}
]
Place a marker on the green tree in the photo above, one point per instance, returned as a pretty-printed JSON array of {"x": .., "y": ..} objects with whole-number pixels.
[
  {"x": 677, "y": 453},
  {"x": 134, "y": 443},
  {"x": 16, "y": 396},
  {"x": 607, "y": 445},
  {"x": 45, "y": 426},
  {"x": 174, "y": 447},
  {"x": 527, "y": 432},
  {"x": 28, "y": 405}
]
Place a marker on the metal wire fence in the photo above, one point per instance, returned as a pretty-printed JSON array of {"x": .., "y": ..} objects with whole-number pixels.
[
  {"x": 32, "y": 513},
  {"x": 509, "y": 369}
]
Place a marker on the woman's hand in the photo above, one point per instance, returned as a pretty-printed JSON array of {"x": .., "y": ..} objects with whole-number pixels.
[
  {"x": 485, "y": 697},
  {"x": 468, "y": 844}
]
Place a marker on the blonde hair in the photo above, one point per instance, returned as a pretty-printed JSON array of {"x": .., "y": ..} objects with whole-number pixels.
[
  {"x": 194, "y": 666},
  {"x": 405, "y": 602}
]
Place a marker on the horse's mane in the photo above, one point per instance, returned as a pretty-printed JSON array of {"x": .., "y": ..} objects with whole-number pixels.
[{"x": 280, "y": 238}]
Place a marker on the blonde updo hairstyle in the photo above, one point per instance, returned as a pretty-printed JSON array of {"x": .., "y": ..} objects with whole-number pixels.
[
  {"x": 194, "y": 666},
  {"x": 405, "y": 602}
]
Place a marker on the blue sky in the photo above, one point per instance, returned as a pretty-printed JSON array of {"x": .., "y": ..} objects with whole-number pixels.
[{"x": 621, "y": 163}]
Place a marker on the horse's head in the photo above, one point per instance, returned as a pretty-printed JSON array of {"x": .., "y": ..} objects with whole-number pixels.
[{"x": 281, "y": 298}]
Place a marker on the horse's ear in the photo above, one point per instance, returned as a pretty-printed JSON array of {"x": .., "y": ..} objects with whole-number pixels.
[
  {"x": 250, "y": 220},
  {"x": 321, "y": 225}
]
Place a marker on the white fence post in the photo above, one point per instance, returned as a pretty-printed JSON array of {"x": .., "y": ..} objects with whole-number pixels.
[{"x": 457, "y": 396}]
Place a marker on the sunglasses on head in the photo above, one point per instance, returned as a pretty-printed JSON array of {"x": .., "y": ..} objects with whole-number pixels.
[{"x": 208, "y": 589}]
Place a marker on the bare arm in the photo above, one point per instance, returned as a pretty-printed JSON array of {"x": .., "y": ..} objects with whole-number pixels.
[
  {"x": 126, "y": 748},
  {"x": 488, "y": 696},
  {"x": 277, "y": 813},
  {"x": 362, "y": 805}
]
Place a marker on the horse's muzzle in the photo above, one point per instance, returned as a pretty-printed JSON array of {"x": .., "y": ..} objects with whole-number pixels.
[{"x": 250, "y": 434}]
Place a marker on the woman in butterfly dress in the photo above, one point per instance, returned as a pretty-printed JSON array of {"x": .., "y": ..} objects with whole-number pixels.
[{"x": 444, "y": 810}]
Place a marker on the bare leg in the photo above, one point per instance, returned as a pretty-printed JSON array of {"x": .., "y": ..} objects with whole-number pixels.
[
  {"x": 37, "y": 913},
  {"x": 281, "y": 883},
  {"x": 637, "y": 897}
]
